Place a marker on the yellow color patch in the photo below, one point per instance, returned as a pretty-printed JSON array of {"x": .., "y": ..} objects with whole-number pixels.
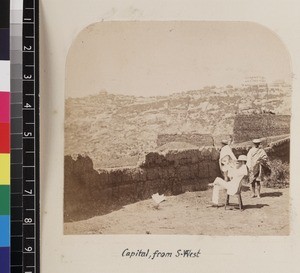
[{"x": 4, "y": 169}]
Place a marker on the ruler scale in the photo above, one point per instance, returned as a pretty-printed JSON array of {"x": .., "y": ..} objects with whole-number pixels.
[
  {"x": 24, "y": 137},
  {"x": 16, "y": 135}
]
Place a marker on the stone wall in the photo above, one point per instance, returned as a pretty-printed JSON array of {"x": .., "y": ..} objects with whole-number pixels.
[
  {"x": 245, "y": 128},
  {"x": 248, "y": 127},
  {"x": 199, "y": 140},
  {"x": 89, "y": 192},
  {"x": 279, "y": 149}
]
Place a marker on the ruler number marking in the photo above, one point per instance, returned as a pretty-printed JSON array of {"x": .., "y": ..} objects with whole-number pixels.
[
  {"x": 27, "y": 77},
  {"x": 27, "y": 220},
  {"x": 27, "y": 48},
  {"x": 27, "y": 105},
  {"x": 28, "y": 249},
  {"x": 27, "y": 134},
  {"x": 29, "y": 192}
]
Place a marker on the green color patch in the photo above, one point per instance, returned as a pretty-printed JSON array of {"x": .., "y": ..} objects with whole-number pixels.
[{"x": 4, "y": 200}]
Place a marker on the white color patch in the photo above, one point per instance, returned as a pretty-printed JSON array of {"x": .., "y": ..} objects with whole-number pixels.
[{"x": 5, "y": 76}]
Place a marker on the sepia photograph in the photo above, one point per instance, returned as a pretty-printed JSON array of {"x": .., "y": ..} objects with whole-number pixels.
[{"x": 177, "y": 127}]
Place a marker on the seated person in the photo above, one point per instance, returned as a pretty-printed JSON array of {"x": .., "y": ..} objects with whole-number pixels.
[{"x": 235, "y": 175}]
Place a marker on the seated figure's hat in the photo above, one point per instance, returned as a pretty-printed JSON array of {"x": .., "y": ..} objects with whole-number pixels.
[
  {"x": 242, "y": 158},
  {"x": 224, "y": 141}
]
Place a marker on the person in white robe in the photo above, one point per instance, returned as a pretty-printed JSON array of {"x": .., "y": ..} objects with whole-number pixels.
[
  {"x": 227, "y": 159},
  {"x": 237, "y": 175}
]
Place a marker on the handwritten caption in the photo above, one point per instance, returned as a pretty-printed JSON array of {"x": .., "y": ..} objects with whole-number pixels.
[{"x": 156, "y": 254}]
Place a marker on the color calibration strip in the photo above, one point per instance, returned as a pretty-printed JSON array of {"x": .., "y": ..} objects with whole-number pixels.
[
  {"x": 4, "y": 137},
  {"x": 19, "y": 136}
]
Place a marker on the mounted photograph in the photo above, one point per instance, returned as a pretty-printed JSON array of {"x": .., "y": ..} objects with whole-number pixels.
[{"x": 177, "y": 127}]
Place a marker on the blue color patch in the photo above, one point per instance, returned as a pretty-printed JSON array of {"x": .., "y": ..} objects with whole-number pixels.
[
  {"x": 4, "y": 230},
  {"x": 4, "y": 259}
]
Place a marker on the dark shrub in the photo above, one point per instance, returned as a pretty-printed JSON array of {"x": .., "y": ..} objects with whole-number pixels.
[{"x": 280, "y": 175}]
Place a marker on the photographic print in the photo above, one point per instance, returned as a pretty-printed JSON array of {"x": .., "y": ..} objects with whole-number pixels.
[{"x": 177, "y": 127}]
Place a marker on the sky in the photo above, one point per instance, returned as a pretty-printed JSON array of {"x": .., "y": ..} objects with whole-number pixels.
[{"x": 160, "y": 58}]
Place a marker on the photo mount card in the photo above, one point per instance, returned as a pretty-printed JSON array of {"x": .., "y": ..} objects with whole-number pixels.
[{"x": 126, "y": 97}]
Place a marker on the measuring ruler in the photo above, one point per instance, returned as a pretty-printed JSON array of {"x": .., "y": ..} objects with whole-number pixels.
[{"x": 24, "y": 45}]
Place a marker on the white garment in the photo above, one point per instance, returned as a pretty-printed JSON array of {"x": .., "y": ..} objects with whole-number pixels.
[
  {"x": 236, "y": 175},
  {"x": 227, "y": 158}
]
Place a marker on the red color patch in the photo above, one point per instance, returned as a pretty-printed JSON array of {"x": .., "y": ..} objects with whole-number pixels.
[
  {"x": 4, "y": 138},
  {"x": 4, "y": 107}
]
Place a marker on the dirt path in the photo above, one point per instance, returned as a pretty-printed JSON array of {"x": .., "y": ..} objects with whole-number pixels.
[{"x": 189, "y": 213}]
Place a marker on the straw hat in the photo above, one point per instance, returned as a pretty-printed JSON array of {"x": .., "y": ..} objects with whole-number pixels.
[
  {"x": 256, "y": 141},
  {"x": 224, "y": 141},
  {"x": 242, "y": 158}
]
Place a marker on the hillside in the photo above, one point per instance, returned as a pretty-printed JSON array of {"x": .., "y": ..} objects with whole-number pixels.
[{"x": 115, "y": 130}]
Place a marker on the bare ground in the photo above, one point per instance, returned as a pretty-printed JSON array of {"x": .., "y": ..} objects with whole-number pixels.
[{"x": 189, "y": 213}]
